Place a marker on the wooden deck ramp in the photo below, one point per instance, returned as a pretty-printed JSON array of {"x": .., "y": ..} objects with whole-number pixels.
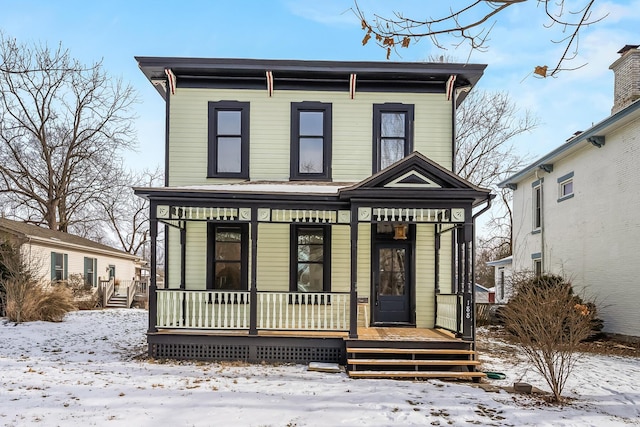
[{"x": 410, "y": 353}]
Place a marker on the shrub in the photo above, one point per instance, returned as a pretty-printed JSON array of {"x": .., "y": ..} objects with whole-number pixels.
[
  {"x": 548, "y": 322},
  {"x": 85, "y": 296}
]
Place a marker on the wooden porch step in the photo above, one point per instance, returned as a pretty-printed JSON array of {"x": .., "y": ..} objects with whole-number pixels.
[
  {"x": 391, "y": 350},
  {"x": 409, "y": 362},
  {"x": 416, "y": 374}
]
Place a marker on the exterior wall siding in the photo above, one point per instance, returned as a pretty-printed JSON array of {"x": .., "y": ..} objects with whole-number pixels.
[
  {"x": 270, "y": 131},
  {"x": 40, "y": 257},
  {"x": 592, "y": 237},
  {"x": 425, "y": 276}
]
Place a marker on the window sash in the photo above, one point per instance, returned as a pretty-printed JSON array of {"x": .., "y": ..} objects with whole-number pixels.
[
  {"x": 311, "y": 141},
  {"x": 392, "y": 134},
  {"x": 537, "y": 207},
  {"x": 228, "y": 145},
  {"x": 310, "y": 259},
  {"x": 227, "y": 257}
]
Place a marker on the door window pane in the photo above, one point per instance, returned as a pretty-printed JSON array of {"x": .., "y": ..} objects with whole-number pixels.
[{"x": 392, "y": 271}]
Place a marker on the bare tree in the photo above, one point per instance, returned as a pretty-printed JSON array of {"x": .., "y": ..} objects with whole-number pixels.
[
  {"x": 126, "y": 215},
  {"x": 471, "y": 22},
  {"x": 63, "y": 126}
]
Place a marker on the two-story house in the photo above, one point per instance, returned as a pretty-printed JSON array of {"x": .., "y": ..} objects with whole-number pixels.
[
  {"x": 311, "y": 215},
  {"x": 575, "y": 210}
]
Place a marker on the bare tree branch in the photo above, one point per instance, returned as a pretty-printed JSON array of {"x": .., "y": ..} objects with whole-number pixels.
[{"x": 470, "y": 23}]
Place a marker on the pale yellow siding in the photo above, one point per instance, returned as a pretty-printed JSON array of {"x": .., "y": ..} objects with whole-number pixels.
[
  {"x": 196, "y": 256},
  {"x": 174, "y": 258},
  {"x": 270, "y": 131},
  {"x": 425, "y": 276},
  {"x": 340, "y": 258},
  {"x": 364, "y": 260},
  {"x": 446, "y": 280},
  {"x": 273, "y": 257}
]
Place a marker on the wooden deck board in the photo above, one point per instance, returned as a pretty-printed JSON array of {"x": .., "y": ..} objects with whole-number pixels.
[
  {"x": 415, "y": 374},
  {"x": 409, "y": 362}
]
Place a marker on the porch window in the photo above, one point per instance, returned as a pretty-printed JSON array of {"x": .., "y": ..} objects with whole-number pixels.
[
  {"x": 392, "y": 133},
  {"x": 310, "y": 259},
  {"x": 90, "y": 267},
  {"x": 228, "y": 145},
  {"x": 59, "y": 264},
  {"x": 227, "y": 256},
  {"x": 310, "y": 140}
]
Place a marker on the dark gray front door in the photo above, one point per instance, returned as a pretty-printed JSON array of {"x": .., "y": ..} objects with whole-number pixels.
[{"x": 392, "y": 283}]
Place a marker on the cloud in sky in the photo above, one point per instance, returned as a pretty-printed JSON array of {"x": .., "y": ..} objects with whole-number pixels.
[{"x": 327, "y": 12}]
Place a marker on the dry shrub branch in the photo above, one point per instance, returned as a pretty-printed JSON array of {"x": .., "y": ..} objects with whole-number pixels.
[{"x": 548, "y": 322}]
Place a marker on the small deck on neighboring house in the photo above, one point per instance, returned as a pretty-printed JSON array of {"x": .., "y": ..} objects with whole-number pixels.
[{"x": 377, "y": 352}]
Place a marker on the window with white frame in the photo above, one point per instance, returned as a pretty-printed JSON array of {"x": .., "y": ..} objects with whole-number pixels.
[
  {"x": 565, "y": 187},
  {"x": 537, "y": 206},
  {"x": 59, "y": 262}
]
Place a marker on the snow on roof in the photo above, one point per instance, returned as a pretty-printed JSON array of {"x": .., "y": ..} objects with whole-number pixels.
[
  {"x": 272, "y": 187},
  {"x": 503, "y": 261}
]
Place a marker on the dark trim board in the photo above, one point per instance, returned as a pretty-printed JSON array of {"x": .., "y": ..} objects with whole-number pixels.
[{"x": 254, "y": 349}]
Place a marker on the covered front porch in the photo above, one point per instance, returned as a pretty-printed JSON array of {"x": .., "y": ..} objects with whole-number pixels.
[{"x": 293, "y": 271}]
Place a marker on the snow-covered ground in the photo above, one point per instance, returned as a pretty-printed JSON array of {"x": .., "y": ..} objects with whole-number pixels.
[{"x": 84, "y": 371}]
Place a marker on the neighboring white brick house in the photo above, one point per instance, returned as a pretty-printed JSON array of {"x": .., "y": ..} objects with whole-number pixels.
[{"x": 576, "y": 210}]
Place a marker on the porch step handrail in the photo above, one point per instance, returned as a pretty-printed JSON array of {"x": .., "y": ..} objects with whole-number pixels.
[
  {"x": 449, "y": 312},
  {"x": 210, "y": 309}
]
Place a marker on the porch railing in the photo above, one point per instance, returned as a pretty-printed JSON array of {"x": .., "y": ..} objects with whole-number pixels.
[
  {"x": 186, "y": 309},
  {"x": 448, "y": 312}
]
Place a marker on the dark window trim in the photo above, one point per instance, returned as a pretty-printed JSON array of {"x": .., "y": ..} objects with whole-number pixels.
[
  {"x": 212, "y": 144},
  {"x": 296, "y": 108},
  {"x": 378, "y": 109},
  {"x": 537, "y": 207},
  {"x": 326, "y": 255},
  {"x": 65, "y": 265},
  {"x": 244, "y": 253}
]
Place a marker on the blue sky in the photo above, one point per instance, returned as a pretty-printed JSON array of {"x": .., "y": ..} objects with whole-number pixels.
[{"x": 116, "y": 31}]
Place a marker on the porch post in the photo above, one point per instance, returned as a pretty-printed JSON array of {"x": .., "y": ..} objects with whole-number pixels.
[
  {"x": 459, "y": 287},
  {"x": 183, "y": 256},
  {"x": 467, "y": 296},
  {"x": 152, "y": 294},
  {"x": 253, "y": 296},
  {"x": 353, "y": 306}
]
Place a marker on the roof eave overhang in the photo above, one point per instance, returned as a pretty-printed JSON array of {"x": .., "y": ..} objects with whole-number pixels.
[
  {"x": 615, "y": 121},
  {"x": 370, "y": 74}
]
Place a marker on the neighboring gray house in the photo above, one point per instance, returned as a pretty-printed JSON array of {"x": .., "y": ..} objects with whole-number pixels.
[
  {"x": 502, "y": 274},
  {"x": 576, "y": 208}
]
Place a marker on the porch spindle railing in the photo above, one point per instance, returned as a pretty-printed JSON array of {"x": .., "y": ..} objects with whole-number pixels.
[
  {"x": 303, "y": 311},
  {"x": 448, "y": 313},
  {"x": 184, "y": 309}
]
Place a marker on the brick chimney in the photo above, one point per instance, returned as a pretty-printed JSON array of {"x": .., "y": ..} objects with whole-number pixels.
[{"x": 626, "y": 72}]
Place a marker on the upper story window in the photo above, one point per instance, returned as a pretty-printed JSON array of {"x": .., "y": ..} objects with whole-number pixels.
[
  {"x": 59, "y": 264},
  {"x": 537, "y": 205},
  {"x": 310, "y": 140},
  {"x": 310, "y": 259},
  {"x": 565, "y": 187},
  {"x": 228, "y": 140},
  {"x": 392, "y": 133}
]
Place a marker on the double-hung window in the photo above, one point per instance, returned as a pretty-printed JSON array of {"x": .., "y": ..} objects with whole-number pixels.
[
  {"x": 90, "y": 267},
  {"x": 310, "y": 259},
  {"x": 228, "y": 146},
  {"x": 310, "y": 141},
  {"x": 392, "y": 133},
  {"x": 537, "y": 206},
  {"x": 59, "y": 262},
  {"x": 228, "y": 257}
]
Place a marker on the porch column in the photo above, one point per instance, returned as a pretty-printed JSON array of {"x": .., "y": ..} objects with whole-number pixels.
[
  {"x": 467, "y": 296},
  {"x": 459, "y": 285},
  {"x": 183, "y": 256},
  {"x": 253, "y": 296},
  {"x": 353, "y": 302},
  {"x": 152, "y": 294}
]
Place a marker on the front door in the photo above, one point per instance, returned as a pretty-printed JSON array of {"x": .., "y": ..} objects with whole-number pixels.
[{"x": 392, "y": 283}]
